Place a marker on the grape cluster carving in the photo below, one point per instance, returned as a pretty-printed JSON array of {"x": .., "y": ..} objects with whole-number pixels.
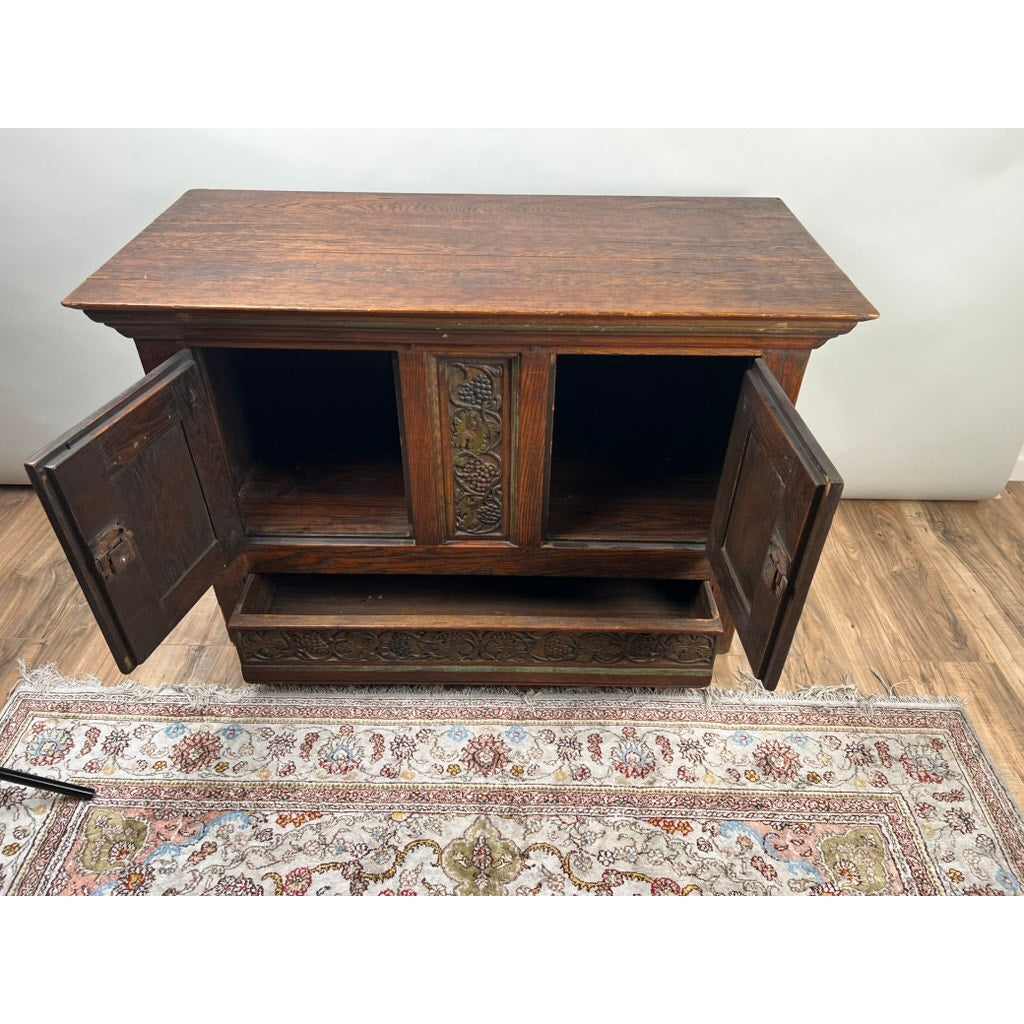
[
  {"x": 477, "y": 391},
  {"x": 476, "y": 418}
]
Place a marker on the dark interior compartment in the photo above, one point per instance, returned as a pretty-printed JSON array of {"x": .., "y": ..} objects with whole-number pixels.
[
  {"x": 316, "y": 438},
  {"x": 638, "y": 445}
]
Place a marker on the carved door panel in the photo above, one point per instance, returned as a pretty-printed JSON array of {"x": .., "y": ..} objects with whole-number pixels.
[
  {"x": 777, "y": 497},
  {"x": 141, "y": 499}
]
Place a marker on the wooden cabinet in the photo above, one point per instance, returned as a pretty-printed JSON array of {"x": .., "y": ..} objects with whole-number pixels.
[{"x": 460, "y": 439}]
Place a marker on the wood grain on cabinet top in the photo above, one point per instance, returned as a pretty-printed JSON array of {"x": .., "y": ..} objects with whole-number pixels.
[{"x": 538, "y": 261}]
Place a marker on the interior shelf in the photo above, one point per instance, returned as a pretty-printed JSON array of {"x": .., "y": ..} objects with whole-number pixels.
[
  {"x": 356, "y": 499},
  {"x": 596, "y": 501}
]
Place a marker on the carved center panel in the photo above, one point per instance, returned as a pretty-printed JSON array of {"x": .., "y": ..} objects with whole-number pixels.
[{"x": 475, "y": 407}]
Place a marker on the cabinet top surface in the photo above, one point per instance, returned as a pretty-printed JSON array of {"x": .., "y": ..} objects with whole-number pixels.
[{"x": 373, "y": 256}]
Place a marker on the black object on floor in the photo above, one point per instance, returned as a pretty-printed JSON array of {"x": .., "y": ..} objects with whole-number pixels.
[{"x": 53, "y": 785}]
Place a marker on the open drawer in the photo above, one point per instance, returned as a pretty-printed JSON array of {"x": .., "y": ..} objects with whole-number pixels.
[{"x": 470, "y": 629}]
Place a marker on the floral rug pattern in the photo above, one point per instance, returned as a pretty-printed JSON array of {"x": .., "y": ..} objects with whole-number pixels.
[{"x": 252, "y": 792}]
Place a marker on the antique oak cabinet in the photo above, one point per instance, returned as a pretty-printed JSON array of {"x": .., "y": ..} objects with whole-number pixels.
[{"x": 458, "y": 439}]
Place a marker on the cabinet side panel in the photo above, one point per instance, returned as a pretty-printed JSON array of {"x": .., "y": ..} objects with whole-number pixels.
[
  {"x": 153, "y": 353},
  {"x": 230, "y": 418},
  {"x": 788, "y": 366}
]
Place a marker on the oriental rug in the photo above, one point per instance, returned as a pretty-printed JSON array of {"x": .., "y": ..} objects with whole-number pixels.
[{"x": 406, "y": 792}]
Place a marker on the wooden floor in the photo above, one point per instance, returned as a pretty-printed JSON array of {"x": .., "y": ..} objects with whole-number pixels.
[{"x": 928, "y": 595}]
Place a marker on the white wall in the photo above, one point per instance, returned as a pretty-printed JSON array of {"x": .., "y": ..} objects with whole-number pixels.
[
  {"x": 870, "y": 129},
  {"x": 1018, "y": 469}
]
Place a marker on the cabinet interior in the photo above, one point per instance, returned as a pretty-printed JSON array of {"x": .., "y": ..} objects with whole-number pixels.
[
  {"x": 638, "y": 444},
  {"x": 315, "y": 441}
]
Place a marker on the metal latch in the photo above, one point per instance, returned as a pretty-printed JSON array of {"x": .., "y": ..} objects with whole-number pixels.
[
  {"x": 776, "y": 566},
  {"x": 114, "y": 549}
]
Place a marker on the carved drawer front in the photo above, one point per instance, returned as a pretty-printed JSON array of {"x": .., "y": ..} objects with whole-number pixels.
[{"x": 467, "y": 629}]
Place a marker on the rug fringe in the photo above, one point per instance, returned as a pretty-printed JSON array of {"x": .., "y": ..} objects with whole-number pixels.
[{"x": 47, "y": 678}]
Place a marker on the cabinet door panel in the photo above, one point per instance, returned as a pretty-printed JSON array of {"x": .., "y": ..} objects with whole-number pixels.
[
  {"x": 140, "y": 496},
  {"x": 778, "y": 494}
]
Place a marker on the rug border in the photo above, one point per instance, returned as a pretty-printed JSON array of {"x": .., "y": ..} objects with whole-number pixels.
[{"x": 48, "y": 678}]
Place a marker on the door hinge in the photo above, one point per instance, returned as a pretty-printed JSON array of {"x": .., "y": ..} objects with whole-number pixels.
[
  {"x": 776, "y": 566},
  {"x": 114, "y": 549}
]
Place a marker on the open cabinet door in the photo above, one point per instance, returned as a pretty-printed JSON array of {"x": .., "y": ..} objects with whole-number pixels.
[
  {"x": 777, "y": 497},
  {"x": 140, "y": 496}
]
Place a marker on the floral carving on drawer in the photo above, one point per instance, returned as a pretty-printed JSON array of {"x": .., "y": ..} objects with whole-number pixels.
[
  {"x": 463, "y": 646},
  {"x": 477, "y": 400}
]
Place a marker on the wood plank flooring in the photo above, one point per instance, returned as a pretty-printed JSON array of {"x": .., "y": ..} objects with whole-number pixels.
[{"x": 928, "y": 595}]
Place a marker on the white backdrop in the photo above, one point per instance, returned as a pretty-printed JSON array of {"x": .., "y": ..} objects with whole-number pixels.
[{"x": 885, "y": 136}]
